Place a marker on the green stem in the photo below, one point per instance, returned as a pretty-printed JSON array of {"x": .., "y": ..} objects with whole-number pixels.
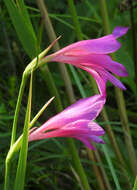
[
  {"x": 22, "y": 86},
  {"x": 22, "y": 162},
  {"x": 133, "y": 29},
  {"x": 107, "y": 183},
  {"x": 8, "y": 159},
  {"x": 13, "y": 150},
  {"x": 32, "y": 65},
  {"x": 78, "y": 166},
  {"x": 52, "y": 36},
  {"x": 75, "y": 19},
  {"x": 111, "y": 168},
  {"x": 7, "y": 177},
  {"x": 120, "y": 101},
  {"x": 15, "y": 147},
  {"x": 105, "y": 16},
  {"x": 96, "y": 169},
  {"x": 40, "y": 112},
  {"x": 126, "y": 129}
]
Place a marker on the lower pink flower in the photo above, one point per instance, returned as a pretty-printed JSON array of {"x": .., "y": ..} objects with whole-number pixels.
[{"x": 75, "y": 121}]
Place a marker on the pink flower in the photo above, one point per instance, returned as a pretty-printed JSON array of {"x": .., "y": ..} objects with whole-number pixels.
[
  {"x": 75, "y": 121},
  {"x": 91, "y": 56}
]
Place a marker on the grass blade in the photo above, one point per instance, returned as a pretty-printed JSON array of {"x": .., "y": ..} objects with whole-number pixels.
[
  {"x": 23, "y": 27},
  {"x": 135, "y": 184},
  {"x": 111, "y": 167}
]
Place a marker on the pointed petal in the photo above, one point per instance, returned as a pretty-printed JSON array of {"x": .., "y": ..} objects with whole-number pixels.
[
  {"x": 106, "y": 75},
  {"x": 84, "y": 127},
  {"x": 79, "y": 129},
  {"x": 86, "y": 142},
  {"x": 104, "y": 61},
  {"x": 101, "y": 81},
  {"x": 104, "y": 45},
  {"x": 86, "y": 108},
  {"x": 120, "y": 31},
  {"x": 96, "y": 129},
  {"x": 117, "y": 69},
  {"x": 96, "y": 139}
]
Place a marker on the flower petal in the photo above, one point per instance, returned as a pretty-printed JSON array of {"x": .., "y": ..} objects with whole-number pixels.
[
  {"x": 86, "y": 108},
  {"x": 106, "y": 75},
  {"x": 86, "y": 141},
  {"x": 96, "y": 129},
  {"x": 120, "y": 31},
  {"x": 84, "y": 127},
  {"x": 101, "y": 81},
  {"x": 103, "y": 45},
  {"x": 96, "y": 139},
  {"x": 101, "y": 76},
  {"x": 104, "y": 61},
  {"x": 94, "y": 60},
  {"x": 83, "y": 130}
]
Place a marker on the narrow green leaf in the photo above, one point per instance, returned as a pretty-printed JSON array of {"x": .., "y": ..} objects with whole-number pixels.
[
  {"x": 21, "y": 168},
  {"x": 135, "y": 184},
  {"x": 40, "y": 112},
  {"x": 111, "y": 167},
  {"x": 23, "y": 10},
  {"x": 77, "y": 80},
  {"x": 23, "y": 27}
]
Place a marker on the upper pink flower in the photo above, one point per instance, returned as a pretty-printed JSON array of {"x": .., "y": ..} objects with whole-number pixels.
[
  {"x": 75, "y": 121},
  {"x": 91, "y": 56}
]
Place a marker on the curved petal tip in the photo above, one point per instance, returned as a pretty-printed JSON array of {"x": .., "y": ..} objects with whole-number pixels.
[{"x": 120, "y": 31}]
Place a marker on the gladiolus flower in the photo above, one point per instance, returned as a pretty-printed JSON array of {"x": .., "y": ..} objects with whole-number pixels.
[
  {"x": 75, "y": 121},
  {"x": 91, "y": 56}
]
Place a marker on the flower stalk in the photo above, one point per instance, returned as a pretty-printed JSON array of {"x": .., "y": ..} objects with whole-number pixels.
[
  {"x": 96, "y": 169},
  {"x": 74, "y": 17},
  {"x": 133, "y": 28},
  {"x": 14, "y": 147},
  {"x": 35, "y": 63},
  {"x": 22, "y": 86},
  {"x": 20, "y": 175},
  {"x": 22, "y": 162}
]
